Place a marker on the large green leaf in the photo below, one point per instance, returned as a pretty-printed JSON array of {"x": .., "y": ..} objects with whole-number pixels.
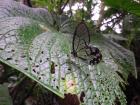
[{"x": 30, "y": 45}]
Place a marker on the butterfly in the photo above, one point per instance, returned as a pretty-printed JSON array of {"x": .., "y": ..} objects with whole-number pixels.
[{"x": 81, "y": 47}]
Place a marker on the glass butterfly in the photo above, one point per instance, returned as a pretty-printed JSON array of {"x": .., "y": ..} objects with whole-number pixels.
[{"x": 81, "y": 47}]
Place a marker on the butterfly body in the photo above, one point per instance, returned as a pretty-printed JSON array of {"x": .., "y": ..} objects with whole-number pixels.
[
  {"x": 95, "y": 56},
  {"x": 81, "y": 45}
]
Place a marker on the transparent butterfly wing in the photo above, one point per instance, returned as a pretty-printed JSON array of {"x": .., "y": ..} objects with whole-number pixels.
[
  {"x": 81, "y": 47},
  {"x": 81, "y": 39}
]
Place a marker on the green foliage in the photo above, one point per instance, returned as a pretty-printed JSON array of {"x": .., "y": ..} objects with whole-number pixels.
[
  {"x": 131, "y": 29},
  {"x": 41, "y": 3},
  {"x": 110, "y": 12},
  {"x": 128, "y": 6},
  {"x": 52, "y": 5}
]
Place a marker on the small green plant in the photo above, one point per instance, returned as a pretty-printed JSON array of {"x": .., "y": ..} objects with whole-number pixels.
[{"x": 28, "y": 33}]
